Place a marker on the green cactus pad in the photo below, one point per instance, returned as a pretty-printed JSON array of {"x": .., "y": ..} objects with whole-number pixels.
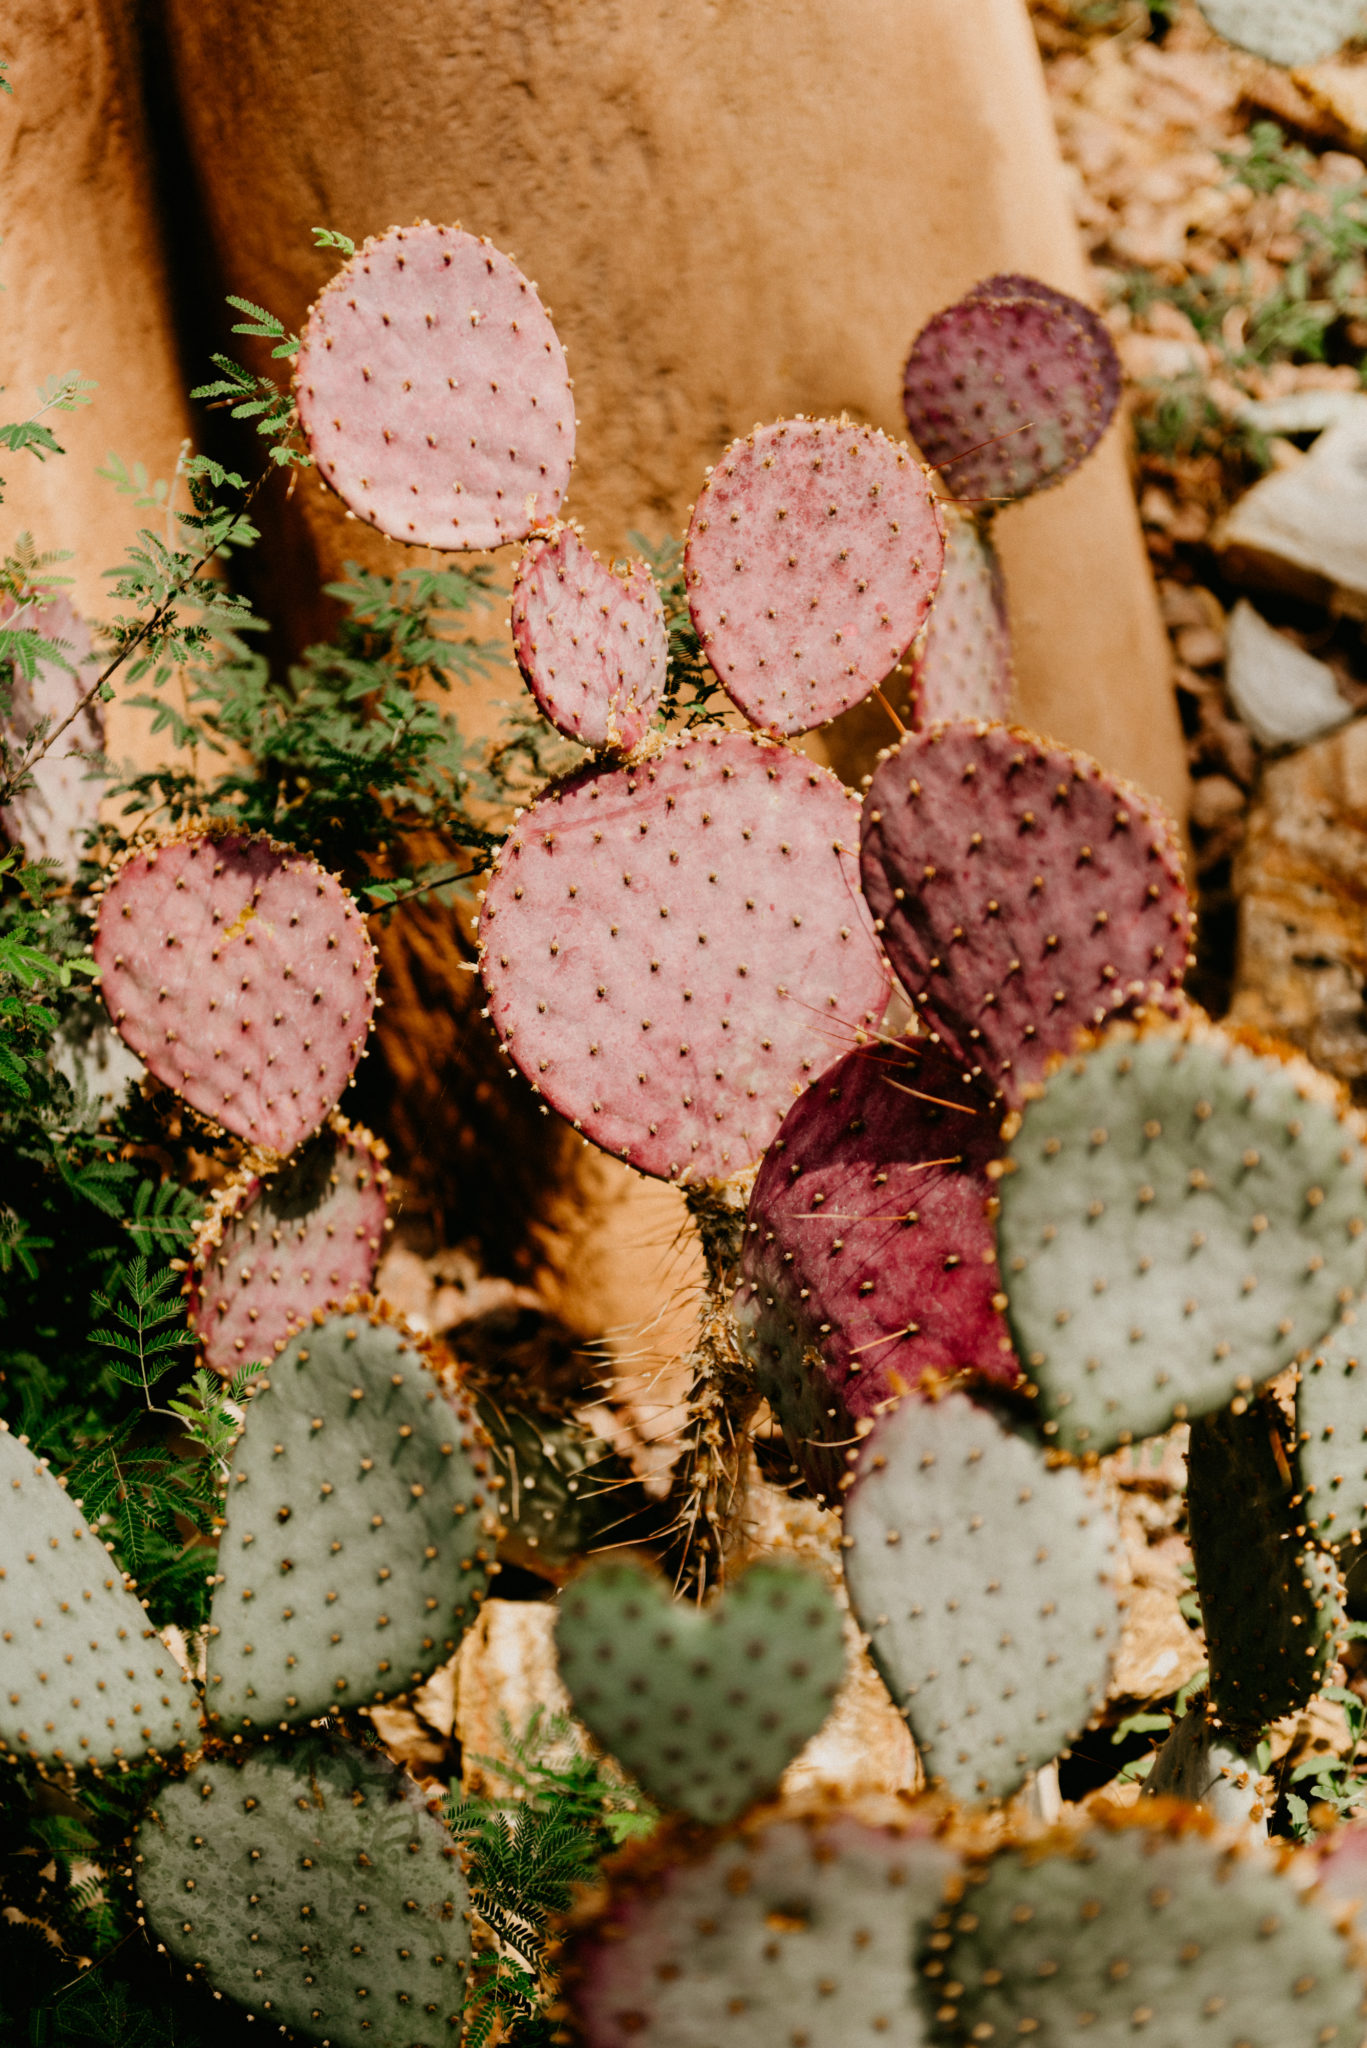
[
  {"x": 1269, "y": 1600},
  {"x": 1183, "y": 1219},
  {"x": 359, "y": 1529},
  {"x": 704, "y": 1707},
  {"x": 984, "y": 1581},
  {"x": 799, "y": 1930},
  {"x": 312, "y": 1885},
  {"x": 568, "y": 1491},
  {"x": 1148, "y": 1928},
  {"x": 1331, "y": 1416},
  {"x": 84, "y": 1677}
]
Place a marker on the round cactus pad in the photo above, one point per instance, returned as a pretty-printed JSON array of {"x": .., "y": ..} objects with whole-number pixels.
[
  {"x": 1290, "y": 32},
  {"x": 961, "y": 660},
  {"x": 433, "y": 391},
  {"x": 799, "y": 1929},
  {"x": 312, "y": 1885},
  {"x": 84, "y": 1677},
  {"x": 985, "y": 1582},
  {"x": 359, "y": 1530},
  {"x": 1022, "y": 895},
  {"x": 1145, "y": 1927},
  {"x": 272, "y": 1252},
  {"x": 670, "y": 949},
  {"x": 591, "y": 645},
  {"x": 1180, "y": 1222},
  {"x": 811, "y": 562},
  {"x": 869, "y": 1258},
  {"x": 1005, "y": 395},
  {"x": 243, "y": 976},
  {"x": 705, "y": 1707},
  {"x": 1331, "y": 1413}
]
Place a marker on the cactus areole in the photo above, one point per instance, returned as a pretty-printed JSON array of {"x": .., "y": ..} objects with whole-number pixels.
[
  {"x": 672, "y": 949},
  {"x": 433, "y": 391},
  {"x": 242, "y": 974},
  {"x": 811, "y": 563}
]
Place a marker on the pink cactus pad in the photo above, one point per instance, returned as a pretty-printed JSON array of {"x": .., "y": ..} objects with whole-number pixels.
[
  {"x": 433, "y": 391},
  {"x": 1010, "y": 392},
  {"x": 869, "y": 1255},
  {"x": 1021, "y": 894},
  {"x": 242, "y": 974},
  {"x": 671, "y": 949},
  {"x": 811, "y": 562},
  {"x": 271, "y": 1253},
  {"x": 592, "y": 645},
  {"x": 50, "y": 819},
  {"x": 961, "y": 662}
]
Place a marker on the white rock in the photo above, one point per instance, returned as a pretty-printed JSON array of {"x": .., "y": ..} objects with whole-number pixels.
[
  {"x": 1281, "y": 693},
  {"x": 1303, "y": 412},
  {"x": 1304, "y": 529},
  {"x": 1286, "y": 32}
]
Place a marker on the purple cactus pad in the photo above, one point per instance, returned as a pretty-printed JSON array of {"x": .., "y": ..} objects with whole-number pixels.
[
  {"x": 592, "y": 645},
  {"x": 241, "y": 973},
  {"x": 869, "y": 1257},
  {"x": 672, "y": 948},
  {"x": 811, "y": 562},
  {"x": 1009, "y": 393},
  {"x": 271, "y": 1253},
  {"x": 433, "y": 391},
  {"x": 961, "y": 663},
  {"x": 1022, "y": 895}
]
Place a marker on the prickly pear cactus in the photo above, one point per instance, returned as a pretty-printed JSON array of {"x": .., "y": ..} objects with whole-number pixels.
[
  {"x": 796, "y": 1931},
  {"x": 671, "y": 948},
  {"x": 961, "y": 659},
  {"x": 705, "y": 1707},
  {"x": 1008, "y": 390},
  {"x": 311, "y": 1884},
  {"x": 568, "y": 1492},
  {"x": 52, "y": 816},
  {"x": 1331, "y": 1418},
  {"x": 1146, "y": 1925},
  {"x": 811, "y": 562},
  {"x": 84, "y": 1677},
  {"x": 1021, "y": 893},
  {"x": 985, "y": 1582},
  {"x": 1270, "y": 1602},
  {"x": 272, "y": 1251},
  {"x": 591, "y": 644},
  {"x": 869, "y": 1258},
  {"x": 434, "y": 393},
  {"x": 1182, "y": 1220},
  {"x": 242, "y": 974},
  {"x": 360, "y": 1529},
  {"x": 1290, "y": 32},
  {"x": 1199, "y": 1764}
]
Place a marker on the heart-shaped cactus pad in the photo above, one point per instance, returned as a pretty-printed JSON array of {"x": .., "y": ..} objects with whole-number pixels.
[
  {"x": 1182, "y": 1219},
  {"x": 270, "y": 1252},
  {"x": 311, "y": 1884},
  {"x": 672, "y": 948},
  {"x": 591, "y": 645},
  {"x": 434, "y": 393},
  {"x": 704, "y": 1706},
  {"x": 986, "y": 1582},
  {"x": 242, "y": 974},
  {"x": 811, "y": 563}
]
